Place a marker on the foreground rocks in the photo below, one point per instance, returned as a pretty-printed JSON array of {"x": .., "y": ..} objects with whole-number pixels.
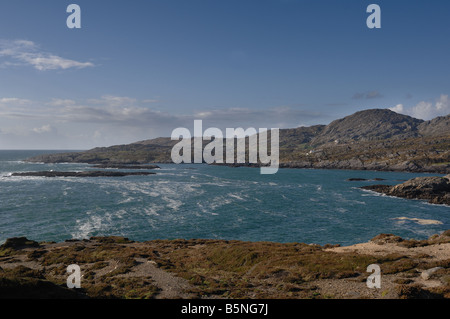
[
  {"x": 435, "y": 190},
  {"x": 115, "y": 267},
  {"x": 80, "y": 174}
]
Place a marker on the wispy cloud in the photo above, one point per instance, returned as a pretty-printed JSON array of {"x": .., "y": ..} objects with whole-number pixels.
[
  {"x": 130, "y": 112},
  {"x": 367, "y": 95},
  {"x": 44, "y": 129},
  {"x": 23, "y": 52},
  {"x": 13, "y": 101},
  {"x": 109, "y": 120}
]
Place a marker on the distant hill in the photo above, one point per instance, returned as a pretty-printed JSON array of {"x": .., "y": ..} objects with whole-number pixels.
[
  {"x": 377, "y": 139},
  {"x": 437, "y": 126},
  {"x": 369, "y": 125}
]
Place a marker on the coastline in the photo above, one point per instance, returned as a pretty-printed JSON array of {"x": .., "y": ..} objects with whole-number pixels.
[{"x": 115, "y": 267}]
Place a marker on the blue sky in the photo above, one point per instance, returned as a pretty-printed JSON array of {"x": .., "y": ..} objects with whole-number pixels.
[{"x": 139, "y": 69}]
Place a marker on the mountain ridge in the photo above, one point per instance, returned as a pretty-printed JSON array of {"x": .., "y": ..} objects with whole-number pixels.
[{"x": 374, "y": 139}]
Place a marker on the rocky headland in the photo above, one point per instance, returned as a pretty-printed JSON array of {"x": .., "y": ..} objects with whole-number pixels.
[
  {"x": 115, "y": 267},
  {"x": 434, "y": 189}
]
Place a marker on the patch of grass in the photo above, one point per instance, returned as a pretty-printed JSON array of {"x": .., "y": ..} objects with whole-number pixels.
[
  {"x": 22, "y": 271},
  {"x": 126, "y": 263},
  {"x": 99, "y": 265},
  {"x": 121, "y": 288},
  {"x": 236, "y": 268},
  {"x": 112, "y": 240},
  {"x": 416, "y": 291},
  {"x": 6, "y": 252}
]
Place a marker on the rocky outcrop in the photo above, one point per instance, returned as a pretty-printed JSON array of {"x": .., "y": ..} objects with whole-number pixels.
[
  {"x": 124, "y": 166},
  {"x": 19, "y": 242},
  {"x": 434, "y": 189},
  {"x": 80, "y": 174}
]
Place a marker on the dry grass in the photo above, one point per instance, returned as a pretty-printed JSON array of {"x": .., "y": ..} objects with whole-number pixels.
[{"x": 215, "y": 268}]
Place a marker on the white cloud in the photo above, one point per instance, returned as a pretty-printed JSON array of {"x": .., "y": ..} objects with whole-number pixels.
[
  {"x": 23, "y": 52},
  {"x": 443, "y": 104},
  {"x": 426, "y": 110},
  {"x": 114, "y": 101},
  {"x": 397, "y": 109},
  {"x": 44, "y": 129},
  {"x": 14, "y": 101},
  {"x": 61, "y": 102}
]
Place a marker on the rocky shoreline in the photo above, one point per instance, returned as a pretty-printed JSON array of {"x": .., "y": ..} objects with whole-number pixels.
[
  {"x": 79, "y": 174},
  {"x": 115, "y": 267},
  {"x": 434, "y": 189}
]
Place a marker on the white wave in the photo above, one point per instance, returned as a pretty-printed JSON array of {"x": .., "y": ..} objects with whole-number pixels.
[
  {"x": 153, "y": 210},
  {"x": 96, "y": 222},
  {"x": 373, "y": 193},
  {"x": 236, "y": 196},
  {"x": 172, "y": 203},
  {"x": 15, "y": 162},
  {"x": 219, "y": 202},
  {"x": 86, "y": 228},
  {"x": 126, "y": 200}
]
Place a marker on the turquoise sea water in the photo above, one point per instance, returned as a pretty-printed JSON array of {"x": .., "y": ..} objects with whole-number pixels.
[{"x": 201, "y": 201}]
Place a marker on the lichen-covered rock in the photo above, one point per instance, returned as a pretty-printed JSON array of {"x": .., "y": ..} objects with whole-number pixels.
[
  {"x": 386, "y": 239},
  {"x": 434, "y": 189},
  {"x": 19, "y": 242}
]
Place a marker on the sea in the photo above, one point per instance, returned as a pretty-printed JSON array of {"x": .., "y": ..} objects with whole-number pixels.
[{"x": 193, "y": 201}]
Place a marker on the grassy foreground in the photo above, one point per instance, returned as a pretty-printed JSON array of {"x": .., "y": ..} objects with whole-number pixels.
[{"x": 115, "y": 267}]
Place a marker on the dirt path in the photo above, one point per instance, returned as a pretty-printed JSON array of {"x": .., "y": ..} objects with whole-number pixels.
[{"x": 172, "y": 287}]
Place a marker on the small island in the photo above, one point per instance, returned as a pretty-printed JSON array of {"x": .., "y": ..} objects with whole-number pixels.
[
  {"x": 80, "y": 174},
  {"x": 126, "y": 166}
]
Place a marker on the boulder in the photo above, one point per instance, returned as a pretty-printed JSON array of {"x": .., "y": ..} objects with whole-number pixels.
[
  {"x": 426, "y": 274},
  {"x": 19, "y": 242}
]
